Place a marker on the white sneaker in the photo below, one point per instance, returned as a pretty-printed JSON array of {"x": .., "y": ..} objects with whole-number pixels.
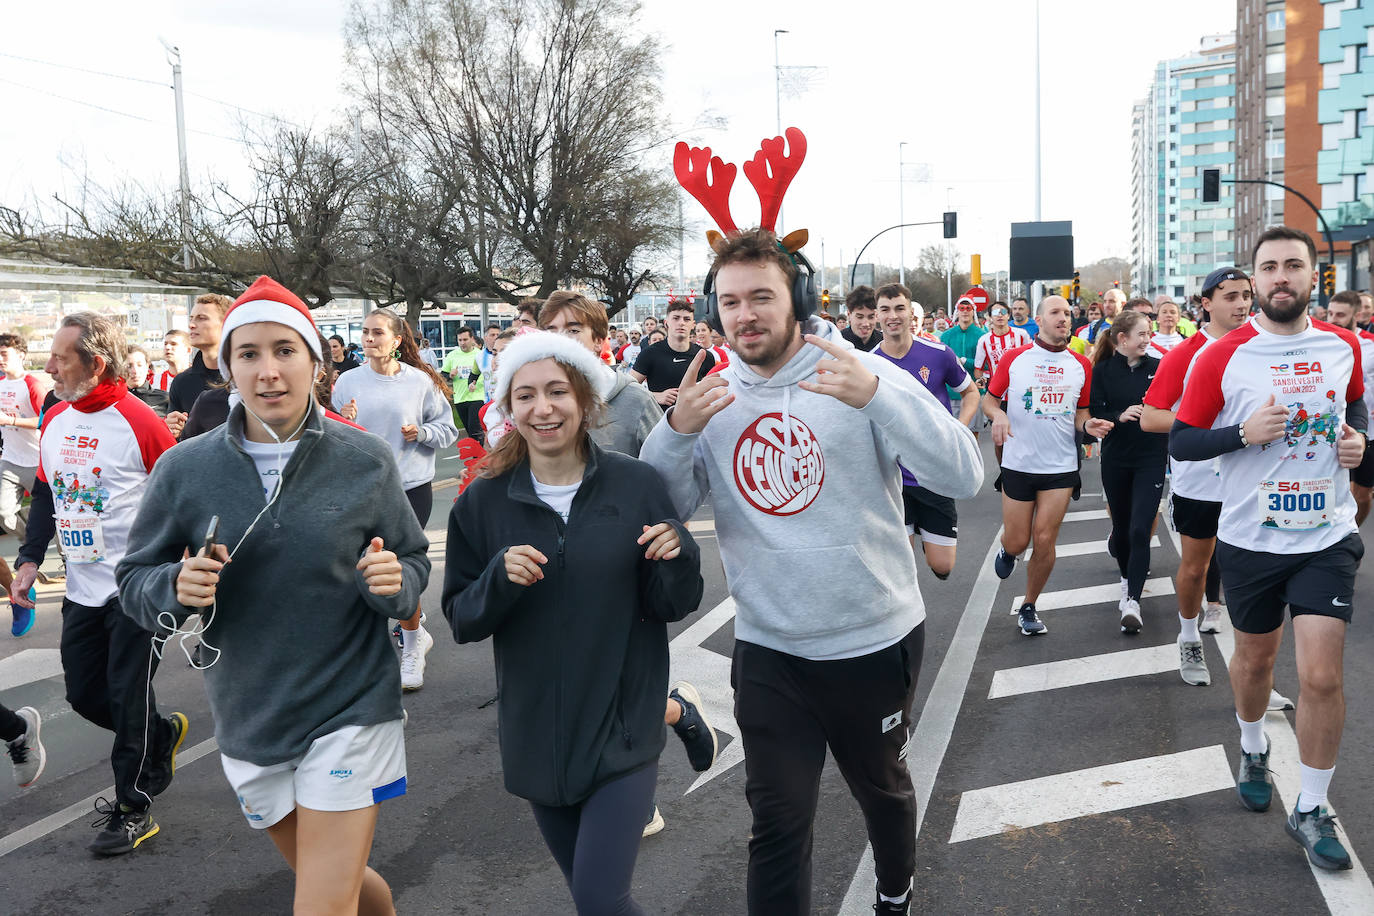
[
  {"x": 413, "y": 663},
  {"x": 1278, "y": 702},
  {"x": 1130, "y": 617},
  {"x": 1211, "y": 618},
  {"x": 655, "y": 824},
  {"x": 1125, "y": 596}
]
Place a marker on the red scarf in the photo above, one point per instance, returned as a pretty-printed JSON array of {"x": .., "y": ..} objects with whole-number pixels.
[{"x": 102, "y": 396}]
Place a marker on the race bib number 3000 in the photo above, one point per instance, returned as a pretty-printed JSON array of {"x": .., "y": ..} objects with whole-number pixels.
[
  {"x": 1296, "y": 505},
  {"x": 81, "y": 539}
]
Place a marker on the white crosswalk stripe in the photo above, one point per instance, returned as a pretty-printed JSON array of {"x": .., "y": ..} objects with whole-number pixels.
[{"x": 1091, "y": 669}]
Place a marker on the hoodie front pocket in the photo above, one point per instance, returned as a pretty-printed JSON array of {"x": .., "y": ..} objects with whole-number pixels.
[{"x": 809, "y": 592}]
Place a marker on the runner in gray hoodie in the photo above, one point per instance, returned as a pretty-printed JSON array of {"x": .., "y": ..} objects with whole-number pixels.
[{"x": 788, "y": 443}]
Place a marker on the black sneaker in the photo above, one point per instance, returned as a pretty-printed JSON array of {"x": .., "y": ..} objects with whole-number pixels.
[
  {"x": 696, "y": 733},
  {"x": 1316, "y": 831},
  {"x": 1031, "y": 624},
  {"x": 123, "y": 828},
  {"x": 1003, "y": 563},
  {"x": 887, "y": 906},
  {"x": 161, "y": 770},
  {"x": 1254, "y": 785}
]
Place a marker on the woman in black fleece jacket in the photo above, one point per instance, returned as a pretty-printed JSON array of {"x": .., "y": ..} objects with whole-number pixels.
[
  {"x": 569, "y": 557},
  {"x": 1133, "y": 460}
]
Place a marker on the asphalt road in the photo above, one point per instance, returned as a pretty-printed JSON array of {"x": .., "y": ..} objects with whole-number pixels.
[{"x": 1070, "y": 773}]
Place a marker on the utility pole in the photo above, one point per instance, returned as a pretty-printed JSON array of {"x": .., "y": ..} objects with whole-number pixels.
[
  {"x": 777, "y": 94},
  {"x": 174, "y": 58},
  {"x": 901, "y": 212},
  {"x": 1037, "y": 111}
]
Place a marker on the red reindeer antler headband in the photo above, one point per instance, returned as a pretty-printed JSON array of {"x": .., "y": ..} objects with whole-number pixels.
[{"x": 709, "y": 179}]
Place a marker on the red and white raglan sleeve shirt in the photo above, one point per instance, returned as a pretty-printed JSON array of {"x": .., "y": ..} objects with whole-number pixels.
[
  {"x": 97, "y": 465},
  {"x": 1291, "y": 495},
  {"x": 1043, "y": 389},
  {"x": 21, "y": 397},
  {"x": 1199, "y": 480}
]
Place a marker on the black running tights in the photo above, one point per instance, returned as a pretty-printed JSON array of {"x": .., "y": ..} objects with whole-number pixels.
[
  {"x": 596, "y": 843},
  {"x": 1133, "y": 497}
]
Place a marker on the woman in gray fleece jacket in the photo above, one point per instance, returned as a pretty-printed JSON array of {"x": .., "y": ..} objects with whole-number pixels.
[{"x": 315, "y": 537}]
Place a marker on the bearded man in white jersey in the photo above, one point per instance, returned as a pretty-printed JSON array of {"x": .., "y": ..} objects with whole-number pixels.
[{"x": 1281, "y": 400}]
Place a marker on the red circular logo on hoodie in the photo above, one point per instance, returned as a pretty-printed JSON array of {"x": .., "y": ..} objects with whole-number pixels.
[{"x": 773, "y": 477}]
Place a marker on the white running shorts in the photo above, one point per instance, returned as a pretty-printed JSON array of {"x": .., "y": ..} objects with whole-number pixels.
[{"x": 355, "y": 767}]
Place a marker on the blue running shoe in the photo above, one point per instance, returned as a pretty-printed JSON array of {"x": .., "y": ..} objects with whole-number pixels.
[
  {"x": 24, "y": 617},
  {"x": 1003, "y": 563}
]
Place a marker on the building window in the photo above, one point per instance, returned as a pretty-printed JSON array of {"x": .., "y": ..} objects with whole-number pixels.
[
  {"x": 1359, "y": 53},
  {"x": 1274, "y": 62},
  {"x": 1274, "y": 106}
]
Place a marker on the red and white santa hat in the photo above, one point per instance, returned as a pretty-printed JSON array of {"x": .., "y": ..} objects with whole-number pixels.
[{"x": 268, "y": 300}]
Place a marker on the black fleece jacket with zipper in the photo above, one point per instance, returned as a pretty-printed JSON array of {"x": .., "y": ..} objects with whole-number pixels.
[{"x": 582, "y": 654}]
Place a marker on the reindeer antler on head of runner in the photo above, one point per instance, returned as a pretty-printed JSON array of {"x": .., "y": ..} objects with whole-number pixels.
[{"x": 709, "y": 179}]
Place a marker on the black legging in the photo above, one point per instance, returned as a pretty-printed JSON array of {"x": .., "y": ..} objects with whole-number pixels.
[
  {"x": 1133, "y": 497},
  {"x": 596, "y": 843},
  {"x": 421, "y": 501},
  {"x": 11, "y": 726},
  {"x": 1214, "y": 579}
]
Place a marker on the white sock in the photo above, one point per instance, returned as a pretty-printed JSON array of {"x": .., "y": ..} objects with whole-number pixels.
[
  {"x": 1314, "y": 784},
  {"x": 1187, "y": 629},
  {"x": 409, "y": 639},
  {"x": 1252, "y": 739},
  {"x": 902, "y": 899}
]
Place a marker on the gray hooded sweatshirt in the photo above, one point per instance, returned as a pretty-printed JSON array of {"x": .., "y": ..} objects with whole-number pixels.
[{"x": 807, "y": 495}]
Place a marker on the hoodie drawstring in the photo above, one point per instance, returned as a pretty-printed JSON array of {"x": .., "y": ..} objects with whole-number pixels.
[{"x": 787, "y": 429}]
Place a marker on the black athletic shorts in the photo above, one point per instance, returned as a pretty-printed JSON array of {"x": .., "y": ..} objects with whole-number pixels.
[
  {"x": 930, "y": 514},
  {"x": 1022, "y": 487},
  {"x": 1258, "y": 585},
  {"x": 1364, "y": 474},
  {"x": 1194, "y": 518}
]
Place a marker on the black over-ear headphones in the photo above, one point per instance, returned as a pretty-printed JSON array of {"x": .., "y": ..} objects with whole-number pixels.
[{"x": 804, "y": 298}]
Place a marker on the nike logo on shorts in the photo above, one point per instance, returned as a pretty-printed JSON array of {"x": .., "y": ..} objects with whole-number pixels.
[{"x": 1336, "y": 602}]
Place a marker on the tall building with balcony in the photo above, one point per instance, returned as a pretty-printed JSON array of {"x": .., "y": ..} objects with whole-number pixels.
[
  {"x": 1185, "y": 124},
  {"x": 1345, "y": 161}
]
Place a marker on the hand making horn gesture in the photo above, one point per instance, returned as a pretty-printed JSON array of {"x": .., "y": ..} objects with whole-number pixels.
[
  {"x": 844, "y": 378},
  {"x": 698, "y": 401}
]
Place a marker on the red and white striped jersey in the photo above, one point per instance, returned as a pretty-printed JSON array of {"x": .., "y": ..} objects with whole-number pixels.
[
  {"x": 1044, "y": 389},
  {"x": 1162, "y": 343},
  {"x": 1192, "y": 479},
  {"x": 990, "y": 349},
  {"x": 1291, "y": 495}
]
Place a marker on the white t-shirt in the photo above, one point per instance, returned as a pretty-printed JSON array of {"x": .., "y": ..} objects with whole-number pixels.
[
  {"x": 1291, "y": 495},
  {"x": 21, "y": 397},
  {"x": 1162, "y": 343},
  {"x": 1044, "y": 389},
  {"x": 559, "y": 498},
  {"x": 270, "y": 460}
]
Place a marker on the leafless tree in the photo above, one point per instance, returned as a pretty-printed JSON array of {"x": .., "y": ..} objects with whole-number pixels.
[{"x": 533, "y": 112}]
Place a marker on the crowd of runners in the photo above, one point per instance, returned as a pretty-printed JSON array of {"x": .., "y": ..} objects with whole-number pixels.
[{"x": 596, "y": 446}]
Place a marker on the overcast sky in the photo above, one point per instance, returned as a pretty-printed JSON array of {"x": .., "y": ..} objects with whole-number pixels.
[{"x": 955, "y": 81}]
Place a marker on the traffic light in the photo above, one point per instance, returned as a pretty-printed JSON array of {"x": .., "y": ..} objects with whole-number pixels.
[
  {"x": 1211, "y": 185},
  {"x": 951, "y": 224},
  {"x": 1076, "y": 286},
  {"x": 825, "y": 298},
  {"x": 1328, "y": 275}
]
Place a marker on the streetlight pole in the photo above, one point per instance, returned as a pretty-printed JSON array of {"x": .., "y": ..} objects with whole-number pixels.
[
  {"x": 1037, "y": 125},
  {"x": 901, "y": 212},
  {"x": 777, "y": 94},
  {"x": 174, "y": 58}
]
